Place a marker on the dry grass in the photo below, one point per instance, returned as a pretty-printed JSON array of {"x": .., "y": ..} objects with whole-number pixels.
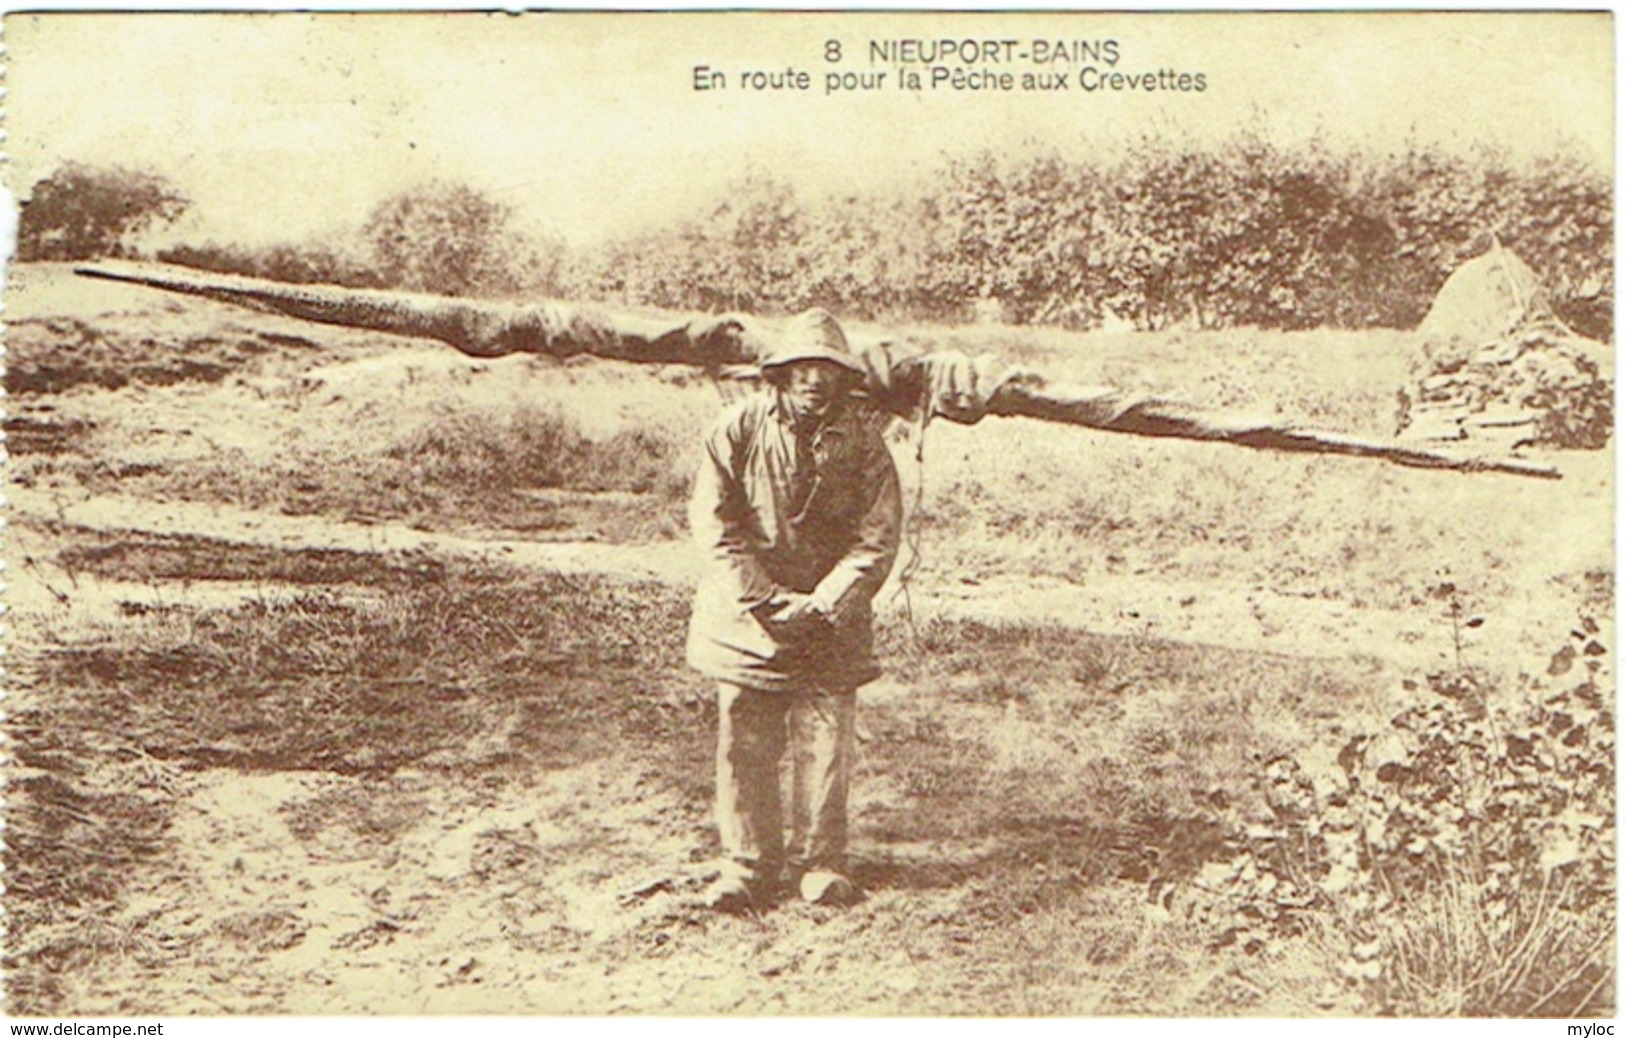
[
  {"x": 532, "y": 471},
  {"x": 1455, "y": 952},
  {"x": 158, "y": 559},
  {"x": 58, "y": 354},
  {"x": 336, "y": 682},
  {"x": 328, "y": 681},
  {"x": 86, "y": 807}
]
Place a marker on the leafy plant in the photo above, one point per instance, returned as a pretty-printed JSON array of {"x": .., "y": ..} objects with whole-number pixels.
[{"x": 1465, "y": 852}]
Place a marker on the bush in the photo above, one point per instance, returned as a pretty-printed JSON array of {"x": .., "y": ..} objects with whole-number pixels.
[
  {"x": 741, "y": 254},
  {"x": 441, "y": 237},
  {"x": 451, "y": 239},
  {"x": 82, "y": 212},
  {"x": 1558, "y": 217},
  {"x": 1465, "y": 852}
]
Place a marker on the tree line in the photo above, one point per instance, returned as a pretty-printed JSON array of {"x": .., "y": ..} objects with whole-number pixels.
[{"x": 1244, "y": 233}]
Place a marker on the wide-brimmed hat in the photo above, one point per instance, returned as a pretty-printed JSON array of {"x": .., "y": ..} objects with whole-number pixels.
[{"x": 812, "y": 335}]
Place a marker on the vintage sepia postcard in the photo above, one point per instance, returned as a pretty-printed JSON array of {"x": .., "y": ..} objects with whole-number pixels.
[{"x": 864, "y": 514}]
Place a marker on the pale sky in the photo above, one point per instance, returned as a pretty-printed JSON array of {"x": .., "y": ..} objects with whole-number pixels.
[{"x": 283, "y": 125}]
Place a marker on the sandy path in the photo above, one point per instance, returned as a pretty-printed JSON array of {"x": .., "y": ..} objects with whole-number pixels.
[{"x": 1229, "y": 615}]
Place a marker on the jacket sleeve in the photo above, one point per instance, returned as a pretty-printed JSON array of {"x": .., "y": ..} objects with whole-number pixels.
[
  {"x": 719, "y": 516},
  {"x": 857, "y": 577}
]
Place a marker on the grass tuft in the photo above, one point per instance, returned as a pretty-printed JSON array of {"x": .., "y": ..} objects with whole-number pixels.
[{"x": 1455, "y": 951}]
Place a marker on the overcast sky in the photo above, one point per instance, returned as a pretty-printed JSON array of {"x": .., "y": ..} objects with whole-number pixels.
[{"x": 283, "y": 125}]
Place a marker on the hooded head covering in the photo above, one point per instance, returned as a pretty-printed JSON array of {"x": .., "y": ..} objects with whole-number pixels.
[{"x": 812, "y": 335}]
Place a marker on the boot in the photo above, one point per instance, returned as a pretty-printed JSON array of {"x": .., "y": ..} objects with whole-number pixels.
[
  {"x": 823, "y": 887},
  {"x": 730, "y": 895}
]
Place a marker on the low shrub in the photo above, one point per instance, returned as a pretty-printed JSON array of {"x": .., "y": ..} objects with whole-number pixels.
[
  {"x": 1466, "y": 852},
  {"x": 532, "y": 448},
  {"x": 529, "y": 470}
]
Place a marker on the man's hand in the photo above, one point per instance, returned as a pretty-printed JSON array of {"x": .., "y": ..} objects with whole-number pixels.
[{"x": 792, "y": 617}]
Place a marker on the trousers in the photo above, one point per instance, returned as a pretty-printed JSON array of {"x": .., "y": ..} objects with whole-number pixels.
[{"x": 753, "y": 730}]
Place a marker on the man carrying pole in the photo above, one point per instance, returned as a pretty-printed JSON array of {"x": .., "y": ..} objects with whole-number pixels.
[{"x": 798, "y": 508}]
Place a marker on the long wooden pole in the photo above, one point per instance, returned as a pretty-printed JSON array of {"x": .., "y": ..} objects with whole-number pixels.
[{"x": 904, "y": 386}]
